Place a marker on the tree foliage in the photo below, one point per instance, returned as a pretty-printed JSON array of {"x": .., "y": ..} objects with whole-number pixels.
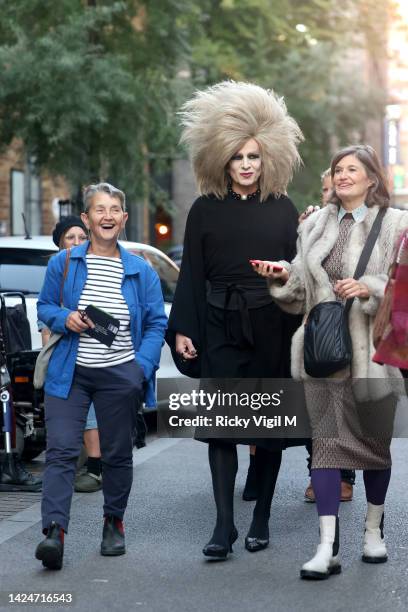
[
  {"x": 88, "y": 86},
  {"x": 92, "y": 86},
  {"x": 309, "y": 52}
]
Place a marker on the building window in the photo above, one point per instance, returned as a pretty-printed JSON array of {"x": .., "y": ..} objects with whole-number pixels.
[
  {"x": 25, "y": 198},
  {"x": 17, "y": 202}
]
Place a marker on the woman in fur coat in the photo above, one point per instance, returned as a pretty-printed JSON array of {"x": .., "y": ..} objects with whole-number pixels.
[{"x": 346, "y": 410}]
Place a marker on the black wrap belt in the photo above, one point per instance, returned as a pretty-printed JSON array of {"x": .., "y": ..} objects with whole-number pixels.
[
  {"x": 233, "y": 296},
  {"x": 242, "y": 304}
]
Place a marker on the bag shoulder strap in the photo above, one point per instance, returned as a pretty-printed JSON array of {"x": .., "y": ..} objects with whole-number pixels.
[
  {"x": 65, "y": 274},
  {"x": 369, "y": 245},
  {"x": 367, "y": 250}
]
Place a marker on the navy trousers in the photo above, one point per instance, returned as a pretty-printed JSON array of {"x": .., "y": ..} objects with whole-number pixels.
[{"x": 113, "y": 391}]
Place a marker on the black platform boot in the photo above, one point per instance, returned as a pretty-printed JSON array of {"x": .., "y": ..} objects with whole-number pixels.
[
  {"x": 113, "y": 537},
  {"x": 51, "y": 550}
]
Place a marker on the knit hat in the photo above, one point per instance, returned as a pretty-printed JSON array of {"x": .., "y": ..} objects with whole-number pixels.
[{"x": 64, "y": 225}]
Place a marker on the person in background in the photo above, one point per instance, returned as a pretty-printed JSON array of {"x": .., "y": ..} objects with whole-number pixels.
[
  {"x": 327, "y": 187},
  {"x": 83, "y": 369},
  {"x": 70, "y": 232},
  {"x": 326, "y": 190}
]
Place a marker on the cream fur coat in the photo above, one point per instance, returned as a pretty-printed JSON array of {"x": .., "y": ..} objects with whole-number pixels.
[{"x": 309, "y": 284}]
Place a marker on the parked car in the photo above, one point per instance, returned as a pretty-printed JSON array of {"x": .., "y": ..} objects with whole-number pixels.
[{"x": 23, "y": 263}]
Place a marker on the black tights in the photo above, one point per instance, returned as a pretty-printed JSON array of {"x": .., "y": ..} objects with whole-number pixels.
[
  {"x": 224, "y": 465},
  {"x": 267, "y": 465}
]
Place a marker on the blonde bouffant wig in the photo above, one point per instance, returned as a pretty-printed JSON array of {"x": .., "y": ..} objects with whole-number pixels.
[{"x": 218, "y": 122}]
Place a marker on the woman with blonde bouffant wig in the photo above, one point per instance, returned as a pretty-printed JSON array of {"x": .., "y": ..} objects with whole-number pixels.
[{"x": 223, "y": 323}]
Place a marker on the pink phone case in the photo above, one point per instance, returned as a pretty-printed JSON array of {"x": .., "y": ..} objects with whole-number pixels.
[{"x": 256, "y": 262}]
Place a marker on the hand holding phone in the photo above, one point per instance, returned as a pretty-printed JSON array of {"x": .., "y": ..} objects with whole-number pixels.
[
  {"x": 272, "y": 265},
  {"x": 269, "y": 269}
]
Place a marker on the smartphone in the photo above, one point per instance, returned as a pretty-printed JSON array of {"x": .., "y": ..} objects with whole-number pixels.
[{"x": 256, "y": 262}]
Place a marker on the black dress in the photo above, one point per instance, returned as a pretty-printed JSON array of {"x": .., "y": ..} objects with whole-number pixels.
[{"x": 222, "y": 304}]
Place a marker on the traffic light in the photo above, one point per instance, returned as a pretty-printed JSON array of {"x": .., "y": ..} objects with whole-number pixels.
[{"x": 162, "y": 229}]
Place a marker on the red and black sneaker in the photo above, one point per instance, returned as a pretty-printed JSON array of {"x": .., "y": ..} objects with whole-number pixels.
[
  {"x": 51, "y": 550},
  {"x": 113, "y": 537}
]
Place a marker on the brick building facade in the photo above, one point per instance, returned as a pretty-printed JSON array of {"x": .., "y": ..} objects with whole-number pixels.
[{"x": 23, "y": 191}]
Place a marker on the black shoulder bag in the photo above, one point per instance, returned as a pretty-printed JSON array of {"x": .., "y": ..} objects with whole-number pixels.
[{"x": 328, "y": 347}]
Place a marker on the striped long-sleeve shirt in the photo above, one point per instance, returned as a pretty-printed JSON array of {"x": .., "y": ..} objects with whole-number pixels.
[{"x": 103, "y": 290}]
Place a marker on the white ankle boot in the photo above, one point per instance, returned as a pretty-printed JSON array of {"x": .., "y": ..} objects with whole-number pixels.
[
  {"x": 374, "y": 550},
  {"x": 326, "y": 560}
]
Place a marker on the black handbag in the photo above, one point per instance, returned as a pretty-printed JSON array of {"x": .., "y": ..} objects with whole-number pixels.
[{"x": 327, "y": 344}]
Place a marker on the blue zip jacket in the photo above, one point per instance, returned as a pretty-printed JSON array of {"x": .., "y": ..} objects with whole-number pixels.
[{"x": 142, "y": 292}]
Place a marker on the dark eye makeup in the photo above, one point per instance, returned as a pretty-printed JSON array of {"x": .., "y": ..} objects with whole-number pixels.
[{"x": 239, "y": 157}]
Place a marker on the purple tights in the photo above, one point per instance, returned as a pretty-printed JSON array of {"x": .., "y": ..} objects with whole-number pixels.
[{"x": 327, "y": 487}]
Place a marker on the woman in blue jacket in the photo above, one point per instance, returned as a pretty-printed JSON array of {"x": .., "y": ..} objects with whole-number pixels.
[{"x": 83, "y": 370}]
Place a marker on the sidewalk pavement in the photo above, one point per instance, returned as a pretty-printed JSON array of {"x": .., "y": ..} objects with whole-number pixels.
[{"x": 171, "y": 516}]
